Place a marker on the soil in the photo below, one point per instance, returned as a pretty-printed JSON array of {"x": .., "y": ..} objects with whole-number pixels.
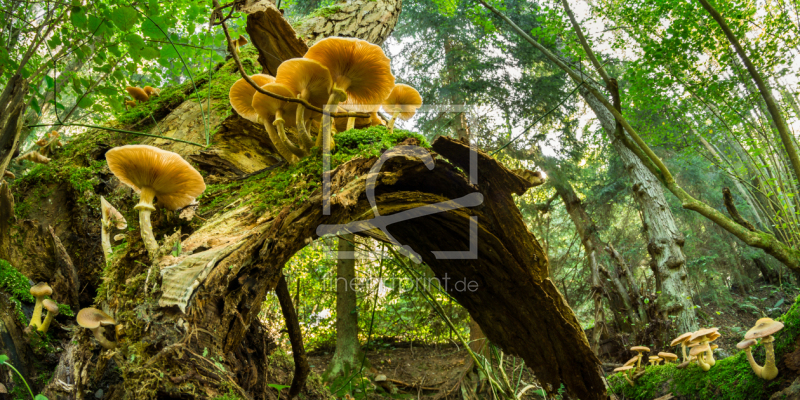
[{"x": 421, "y": 371}]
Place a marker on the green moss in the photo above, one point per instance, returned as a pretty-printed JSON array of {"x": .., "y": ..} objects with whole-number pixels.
[
  {"x": 730, "y": 379},
  {"x": 16, "y": 285},
  {"x": 293, "y": 184}
]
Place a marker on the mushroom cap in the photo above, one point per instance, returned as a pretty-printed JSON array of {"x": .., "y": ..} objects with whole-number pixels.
[
  {"x": 764, "y": 327},
  {"x": 41, "y": 289},
  {"x": 266, "y": 106},
  {"x": 694, "y": 344},
  {"x": 653, "y": 358},
  {"x": 631, "y": 361},
  {"x": 8, "y": 174},
  {"x": 698, "y": 335},
  {"x": 92, "y": 318},
  {"x": 53, "y": 134},
  {"x": 405, "y": 99},
  {"x": 713, "y": 336},
  {"x": 110, "y": 213},
  {"x": 714, "y": 347},
  {"x": 241, "y": 95},
  {"x": 50, "y": 306},
  {"x": 745, "y": 344},
  {"x": 668, "y": 356},
  {"x": 150, "y": 91},
  {"x": 137, "y": 93},
  {"x": 358, "y": 67},
  {"x": 640, "y": 349},
  {"x": 680, "y": 339},
  {"x": 623, "y": 368},
  {"x": 174, "y": 181},
  {"x": 241, "y": 41},
  {"x": 42, "y": 142},
  {"x": 701, "y": 348},
  {"x": 306, "y": 77}
]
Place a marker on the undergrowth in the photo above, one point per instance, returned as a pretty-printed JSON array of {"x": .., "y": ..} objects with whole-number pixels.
[{"x": 730, "y": 379}]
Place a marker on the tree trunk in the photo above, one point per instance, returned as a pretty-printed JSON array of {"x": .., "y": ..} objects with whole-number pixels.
[
  {"x": 370, "y": 20},
  {"x": 665, "y": 242},
  {"x": 12, "y": 108},
  {"x": 346, "y": 360}
]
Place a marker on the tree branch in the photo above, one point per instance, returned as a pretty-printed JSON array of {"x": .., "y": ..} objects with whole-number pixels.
[
  {"x": 301, "y": 368},
  {"x": 728, "y": 199}
]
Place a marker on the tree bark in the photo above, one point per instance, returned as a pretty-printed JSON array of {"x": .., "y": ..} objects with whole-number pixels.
[
  {"x": 347, "y": 358},
  {"x": 370, "y": 20},
  {"x": 12, "y": 109}
]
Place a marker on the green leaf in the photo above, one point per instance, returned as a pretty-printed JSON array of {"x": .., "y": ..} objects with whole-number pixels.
[
  {"x": 151, "y": 29},
  {"x": 124, "y": 18},
  {"x": 86, "y": 102},
  {"x": 40, "y": 397},
  {"x": 97, "y": 26},
  {"x": 277, "y": 386},
  {"x": 49, "y": 81},
  {"x": 115, "y": 50},
  {"x": 77, "y": 16},
  {"x": 3, "y": 358},
  {"x": 149, "y": 53}
]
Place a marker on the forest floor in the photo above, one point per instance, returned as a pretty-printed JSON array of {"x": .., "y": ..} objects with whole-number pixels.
[
  {"x": 419, "y": 370},
  {"x": 427, "y": 371}
]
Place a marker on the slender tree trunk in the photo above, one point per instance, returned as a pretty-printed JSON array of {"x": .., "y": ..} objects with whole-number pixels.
[
  {"x": 665, "y": 242},
  {"x": 346, "y": 358}
]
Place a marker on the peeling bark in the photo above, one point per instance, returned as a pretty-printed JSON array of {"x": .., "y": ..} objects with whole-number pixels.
[{"x": 370, "y": 20}]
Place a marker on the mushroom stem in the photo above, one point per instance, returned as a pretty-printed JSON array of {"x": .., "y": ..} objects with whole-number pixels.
[
  {"x": 639, "y": 361},
  {"x": 770, "y": 371},
  {"x": 147, "y": 233},
  {"x": 351, "y": 123},
  {"x": 683, "y": 349},
  {"x": 98, "y": 334},
  {"x": 336, "y": 97},
  {"x": 46, "y": 324},
  {"x": 305, "y": 138},
  {"x": 702, "y": 362},
  {"x": 390, "y": 125},
  {"x": 36, "y": 318},
  {"x": 279, "y": 123},
  {"x": 627, "y": 377},
  {"x": 280, "y": 146},
  {"x": 753, "y": 364},
  {"x": 709, "y": 356}
]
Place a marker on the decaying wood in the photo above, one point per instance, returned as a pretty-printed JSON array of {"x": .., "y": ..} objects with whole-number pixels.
[
  {"x": 65, "y": 284},
  {"x": 274, "y": 38}
]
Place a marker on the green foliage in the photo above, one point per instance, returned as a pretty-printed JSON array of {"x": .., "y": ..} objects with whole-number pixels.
[{"x": 17, "y": 286}]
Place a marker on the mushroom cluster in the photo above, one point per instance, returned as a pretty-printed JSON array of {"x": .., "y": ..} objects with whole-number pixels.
[
  {"x": 764, "y": 329},
  {"x": 635, "y": 364},
  {"x": 41, "y": 291},
  {"x": 702, "y": 351},
  {"x": 336, "y": 73},
  {"x": 141, "y": 94},
  {"x": 154, "y": 174},
  {"x": 96, "y": 321},
  {"x": 110, "y": 216}
]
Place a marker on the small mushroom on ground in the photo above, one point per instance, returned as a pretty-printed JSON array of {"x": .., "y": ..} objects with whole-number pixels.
[
  {"x": 745, "y": 345},
  {"x": 52, "y": 311},
  {"x": 626, "y": 370},
  {"x": 95, "y": 321},
  {"x": 8, "y": 174},
  {"x": 654, "y": 360},
  {"x": 682, "y": 340},
  {"x": 137, "y": 93},
  {"x": 640, "y": 350},
  {"x": 241, "y": 95},
  {"x": 668, "y": 357},
  {"x": 130, "y": 103},
  {"x": 151, "y": 91},
  {"x": 119, "y": 237},
  {"x": 403, "y": 102},
  {"x": 155, "y": 173},
  {"x": 109, "y": 215},
  {"x": 34, "y": 156},
  {"x": 42, "y": 142},
  {"x": 764, "y": 329},
  {"x": 704, "y": 336},
  {"x": 39, "y": 291},
  {"x": 698, "y": 352}
]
